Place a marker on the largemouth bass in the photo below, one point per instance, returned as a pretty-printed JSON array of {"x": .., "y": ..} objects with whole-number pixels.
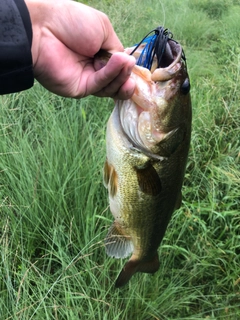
[{"x": 147, "y": 140}]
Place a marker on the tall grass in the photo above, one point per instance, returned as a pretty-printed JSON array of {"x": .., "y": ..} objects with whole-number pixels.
[{"x": 54, "y": 209}]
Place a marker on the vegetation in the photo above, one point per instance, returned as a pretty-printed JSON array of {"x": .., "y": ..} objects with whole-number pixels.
[{"x": 54, "y": 208}]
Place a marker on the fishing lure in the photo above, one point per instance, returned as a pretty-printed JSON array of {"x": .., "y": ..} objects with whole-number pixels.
[{"x": 155, "y": 45}]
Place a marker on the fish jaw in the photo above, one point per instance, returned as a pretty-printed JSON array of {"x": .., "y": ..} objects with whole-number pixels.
[{"x": 160, "y": 107}]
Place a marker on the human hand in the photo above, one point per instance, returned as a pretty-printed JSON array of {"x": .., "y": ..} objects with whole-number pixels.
[{"x": 66, "y": 36}]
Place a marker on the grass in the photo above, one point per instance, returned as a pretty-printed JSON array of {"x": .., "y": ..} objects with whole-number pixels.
[{"x": 54, "y": 209}]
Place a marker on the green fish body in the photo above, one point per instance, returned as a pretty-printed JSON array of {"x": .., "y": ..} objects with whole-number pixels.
[{"x": 148, "y": 138}]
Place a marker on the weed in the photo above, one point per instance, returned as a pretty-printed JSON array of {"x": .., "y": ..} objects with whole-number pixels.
[{"x": 54, "y": 209}]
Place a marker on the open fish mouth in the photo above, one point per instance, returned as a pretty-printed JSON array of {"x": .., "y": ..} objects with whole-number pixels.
[
  {"x": 160, "y": 53},
  {"x": 170, "y": 63},
  {"x": 160, "y": 73}
]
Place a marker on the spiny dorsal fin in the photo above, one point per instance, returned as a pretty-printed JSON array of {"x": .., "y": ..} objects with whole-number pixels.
[
  {"x": 117, "y": 244},
  {"x": 148, "y": 180}
]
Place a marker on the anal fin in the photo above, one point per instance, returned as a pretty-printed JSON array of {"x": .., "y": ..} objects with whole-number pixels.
[{"x": 117, "y": 244}]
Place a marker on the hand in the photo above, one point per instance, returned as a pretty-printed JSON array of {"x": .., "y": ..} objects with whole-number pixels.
[{"x": 66, "y": 36}]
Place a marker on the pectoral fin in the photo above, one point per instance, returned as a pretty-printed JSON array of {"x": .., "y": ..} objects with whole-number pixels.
[
  {"x": 117, "y": 244},
  {"x": 148, "y": 180}
]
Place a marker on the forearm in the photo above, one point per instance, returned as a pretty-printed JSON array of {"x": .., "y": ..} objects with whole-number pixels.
[{"x": 16, "y": 71}]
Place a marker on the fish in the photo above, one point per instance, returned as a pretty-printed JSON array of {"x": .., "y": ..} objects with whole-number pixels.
[{"x": 147, "y": 145}]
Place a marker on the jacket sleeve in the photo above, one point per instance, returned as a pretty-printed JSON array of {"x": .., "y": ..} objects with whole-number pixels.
[{"x": 16, "y": 70}]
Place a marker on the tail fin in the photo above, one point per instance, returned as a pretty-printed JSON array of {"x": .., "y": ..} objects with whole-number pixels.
[{"x": 133, "y": 266}]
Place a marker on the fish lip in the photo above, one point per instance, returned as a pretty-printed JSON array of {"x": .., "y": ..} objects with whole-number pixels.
[{"x": 173, "y": 50}]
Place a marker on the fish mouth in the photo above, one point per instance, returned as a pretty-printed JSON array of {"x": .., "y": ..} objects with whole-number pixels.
[
  {"x": 165, "y": 62},
  {"x": 141, "y": 117},
  {"x": 170, "y": 64}
]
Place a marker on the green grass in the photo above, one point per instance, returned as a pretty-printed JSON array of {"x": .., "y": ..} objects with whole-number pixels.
[{"x": 54, "y": 209}]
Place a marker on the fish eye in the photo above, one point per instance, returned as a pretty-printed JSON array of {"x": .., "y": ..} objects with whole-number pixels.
[{"x": 185, "y": 88}]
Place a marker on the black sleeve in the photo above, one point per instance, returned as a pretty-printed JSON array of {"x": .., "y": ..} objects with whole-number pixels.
[{"x": 16, "y": 70}]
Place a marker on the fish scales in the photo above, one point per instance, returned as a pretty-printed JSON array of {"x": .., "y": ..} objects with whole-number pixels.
[{"x": 148, "y": 138}]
